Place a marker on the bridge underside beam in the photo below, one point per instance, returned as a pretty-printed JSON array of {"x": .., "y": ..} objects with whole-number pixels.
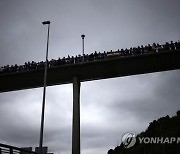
[{"x": 102, "y": 69}]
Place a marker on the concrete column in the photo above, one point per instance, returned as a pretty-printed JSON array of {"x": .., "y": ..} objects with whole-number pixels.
[{"x": 76, "y": 117}]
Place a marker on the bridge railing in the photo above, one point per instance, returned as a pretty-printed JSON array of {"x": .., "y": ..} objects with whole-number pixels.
[{"x": 8, "y": 149}]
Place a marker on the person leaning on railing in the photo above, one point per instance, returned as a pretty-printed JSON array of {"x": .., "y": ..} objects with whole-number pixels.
[{"x": 92, "y": 57}]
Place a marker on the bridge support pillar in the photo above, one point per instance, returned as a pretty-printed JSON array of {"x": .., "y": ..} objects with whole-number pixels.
[{"x": 76, "y": 117}]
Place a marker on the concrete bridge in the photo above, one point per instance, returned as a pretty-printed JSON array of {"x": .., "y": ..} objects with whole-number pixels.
[{"x": 93, "y": 70}]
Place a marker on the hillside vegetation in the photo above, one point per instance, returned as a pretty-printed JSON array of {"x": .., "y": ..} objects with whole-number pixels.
[{"x": 166, "y": 127}]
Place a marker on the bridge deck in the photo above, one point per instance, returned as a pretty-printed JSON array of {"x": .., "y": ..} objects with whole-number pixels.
[{"x": 94, "y": 70}]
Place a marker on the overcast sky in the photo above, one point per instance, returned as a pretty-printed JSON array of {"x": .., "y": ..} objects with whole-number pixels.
[{"x": 109, "y": 108}]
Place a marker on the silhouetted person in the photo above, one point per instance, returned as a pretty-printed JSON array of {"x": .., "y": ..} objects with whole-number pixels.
[
  {"x": 177, "y": 45},
  {"x": 154, "y": 47},
  {"x": 158, "y": 48},
  {"x": 149, "y": 48},
  {"x": 167, "y": 46},
  {"x": 142, "y": 49},
  {"x": 178, "y": 113},
  {"x": 172, "y": 46}
]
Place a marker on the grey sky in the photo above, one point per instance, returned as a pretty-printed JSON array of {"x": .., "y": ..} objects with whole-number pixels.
[{"x": 109, "y": 108}]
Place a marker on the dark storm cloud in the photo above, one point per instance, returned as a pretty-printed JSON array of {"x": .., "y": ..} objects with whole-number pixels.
[
  {"x": 117, "y": 25},
  {"x": 20, "y": 119},
  {"x": 132, "y": 100},
  {"x": 17, "y": 119},
  {"x": 159, "y": 96}
]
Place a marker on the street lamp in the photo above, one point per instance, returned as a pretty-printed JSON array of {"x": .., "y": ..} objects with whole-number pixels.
[
  {"x": 83, "y": 36},
  {"x": 44, "y": 91}
]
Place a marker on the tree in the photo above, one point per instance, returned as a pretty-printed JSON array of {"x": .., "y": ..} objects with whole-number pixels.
[{"x": 111, "y": 151}]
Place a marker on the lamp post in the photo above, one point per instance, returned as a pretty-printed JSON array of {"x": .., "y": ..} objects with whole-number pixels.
[
  {"x": 83, "y": 36},
  {"x": 44, "y": 91}
]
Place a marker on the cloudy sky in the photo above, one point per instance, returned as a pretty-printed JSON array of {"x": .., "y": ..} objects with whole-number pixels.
[{"x": 109, "y": 108}]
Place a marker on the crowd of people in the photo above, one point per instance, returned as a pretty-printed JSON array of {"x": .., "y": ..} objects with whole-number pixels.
[{"x": 155, "y": 47}]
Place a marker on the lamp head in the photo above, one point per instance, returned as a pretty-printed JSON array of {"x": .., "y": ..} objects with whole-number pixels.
[
  {"x": 83, "y": 36},
  {"x": 46, "y": 22}
]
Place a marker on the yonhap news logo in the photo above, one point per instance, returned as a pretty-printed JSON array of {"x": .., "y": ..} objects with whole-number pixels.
[{"x": 130, "y": 139}]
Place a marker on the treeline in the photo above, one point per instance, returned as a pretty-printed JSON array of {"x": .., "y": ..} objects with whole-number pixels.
[{"x": 166, "y": 127}]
